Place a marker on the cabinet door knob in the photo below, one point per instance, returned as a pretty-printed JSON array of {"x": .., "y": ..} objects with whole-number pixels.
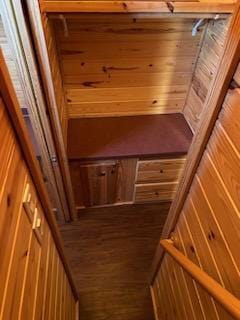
[{"x": 102, "y": 174}]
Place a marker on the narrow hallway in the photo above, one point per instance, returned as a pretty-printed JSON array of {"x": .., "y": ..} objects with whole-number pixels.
[{"x": 110, "y": 251}]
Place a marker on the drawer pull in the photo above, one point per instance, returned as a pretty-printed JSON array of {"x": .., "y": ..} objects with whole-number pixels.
[{"x": 102, "y": 174}]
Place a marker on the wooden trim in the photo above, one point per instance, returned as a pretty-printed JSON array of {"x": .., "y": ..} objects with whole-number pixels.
[
  {"x": 136, "y": 6},
  {"x": 77, "y": 310},
  {"x": 45, "y": 68},
  {"x": 227, "y": 300},
  {"x": 9, "y": 97},
  {"x": 212, "y": 107},
  {"x": 36, "y": 107},
  {"x": 149, "y": 16}
]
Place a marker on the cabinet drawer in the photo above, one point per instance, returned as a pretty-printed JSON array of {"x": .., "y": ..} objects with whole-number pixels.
[
  {"x": 164, "y": 191},
  {"x": 164, "y": 170}
]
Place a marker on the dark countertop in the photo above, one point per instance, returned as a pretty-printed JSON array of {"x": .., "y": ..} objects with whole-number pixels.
[{"x": 145, "y": 136}]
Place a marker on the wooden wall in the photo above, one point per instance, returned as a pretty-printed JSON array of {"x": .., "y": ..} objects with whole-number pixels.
[
  {"x": 118, "y": 64},
  {"x": 205, "y": 69},
  {"x": 34, "y": 283},
  {"x": 7, "y": 49},
  {"x": 208, "y": 230},
  {"x": 56, "y": 75}
]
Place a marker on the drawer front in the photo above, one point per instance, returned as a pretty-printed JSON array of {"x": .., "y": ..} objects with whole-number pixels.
[
  {"x": 155, "y": 192},
  {"x": 164, "y": 170}
]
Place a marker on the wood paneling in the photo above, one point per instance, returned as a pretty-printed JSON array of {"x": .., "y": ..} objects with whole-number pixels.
[
  {"x": 208, "y": 228},
  {"x": 116, "y": 65},
  {"x": 110, "y": 251},
  {"x": 23, "y": 226},
  {"x": 56, "y": 74},
  {"x": 206, "y": 66}
]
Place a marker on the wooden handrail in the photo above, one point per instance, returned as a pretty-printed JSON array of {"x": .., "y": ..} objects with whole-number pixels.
[{"x": 227, "y": 300}]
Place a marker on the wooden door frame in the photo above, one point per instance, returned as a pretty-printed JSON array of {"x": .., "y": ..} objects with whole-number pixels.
[
  {"x": 34, "y": 15},
  {"x": 28, "y": 75},
  {"x": 212, "y": 106}
]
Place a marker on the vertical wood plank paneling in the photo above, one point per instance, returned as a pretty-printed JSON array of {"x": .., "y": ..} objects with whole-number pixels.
[
  {"x": 56, "y": 75},
  {"x": 31, "y": 283},
  {"x": 218, "y": 245},
  {"x": 205, "y": 70},
  {"x": 42, "y": 283},
  {"x": 190, "y": 251},
  {"x": 17, "y": 271},
  {"x": 26, "y": 268},
  {"x": 208, "y": 229}
]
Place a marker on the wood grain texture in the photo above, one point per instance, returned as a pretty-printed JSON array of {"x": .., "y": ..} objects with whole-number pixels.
[
  {"x": 205, "y": 70},
  {"x": 11, "y": 118},
  {"x": 163, "y": 191},
  {"x": 207, "y": 231},
  {"x": 137, "y": 6},
  {"x": 214, "y": 101},
  {"x": 25, "y": 244},
  {"x": 126, "y": 179},
  {"x": 237, "y": 75},
  {"x": 208, "y": 226},
  {"x": 132, "y": 67},
  {"x": 99, "y": 183},
  {"x": 110, "y": 250},
  {"x": 222, "y": 296},
  {"x": 164, "y": 170},
  {"x": 44, "y": 41}
]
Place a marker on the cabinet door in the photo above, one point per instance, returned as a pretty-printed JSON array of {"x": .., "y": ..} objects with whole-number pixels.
[{"x": 99, "y": 183}]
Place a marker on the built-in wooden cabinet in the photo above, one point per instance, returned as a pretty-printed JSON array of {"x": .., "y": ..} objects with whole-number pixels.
[
  {"x": 102, "y": 182},
  {"x": 108, "y": 182},
  {"x": 99, "y": 183},
  {"x": 157, "y": 180}
]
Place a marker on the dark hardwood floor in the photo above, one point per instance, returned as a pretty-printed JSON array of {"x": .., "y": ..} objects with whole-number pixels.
[{"x": 110, "y": 251}]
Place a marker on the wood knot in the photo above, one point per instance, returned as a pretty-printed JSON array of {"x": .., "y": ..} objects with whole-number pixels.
[
  {"x": 124, "y": 5},
  {"x": 170, "y": 6},
  {"x": 8, "y": 200}
]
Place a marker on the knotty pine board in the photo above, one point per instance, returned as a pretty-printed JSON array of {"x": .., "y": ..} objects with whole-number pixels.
[
  {"x": 125, "y": 64},
  {"x": 207, "y": 230},
  {"x": 24, "y": 256},
  {"x": 205, "y": 69}
]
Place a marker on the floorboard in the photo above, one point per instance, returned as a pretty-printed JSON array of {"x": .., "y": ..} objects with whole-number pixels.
[{"x": 110, "y": 251}]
